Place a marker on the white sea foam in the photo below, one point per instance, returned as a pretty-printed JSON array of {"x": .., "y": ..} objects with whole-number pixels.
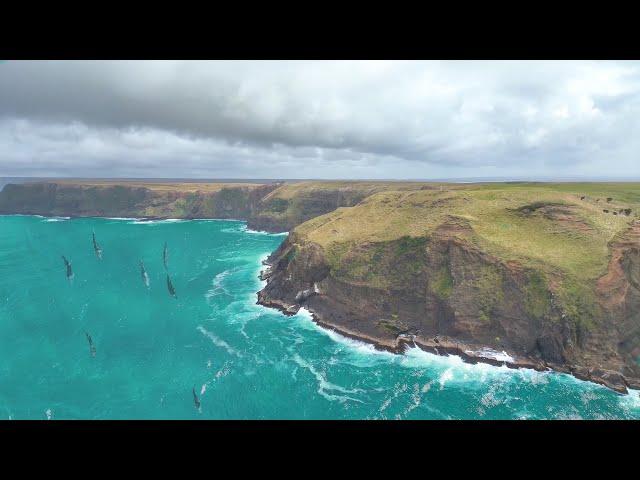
[
  {"x": 142, "y": 222},
  {"x": 415, "y": 357},
  {"x": 416, "y": 400},
  {"x": 157, "y": 222},
  {"x": 454, "y": 370},
  {"x": 49, "y": 414},
  {"x": 631, "y": 401},
  {"x": 246, "y": 229},
  {"x": 216, "y": 285},
  {"x": 306, "y": 320},
  {"x": 218, "y": 342},
  {"x": 492, "y": 398},
  {"x": 57, "y": 219},
  {"x": 445, "y": 377},
  {"x": 224, "y": 371},
  {"x": 492, "y": 354},
  {"x": 325, "y": 387},
  {"x": 397, "y": 390}
]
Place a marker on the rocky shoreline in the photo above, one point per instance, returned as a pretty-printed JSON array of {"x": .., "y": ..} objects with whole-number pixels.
[{"x": 442, "y": 345}]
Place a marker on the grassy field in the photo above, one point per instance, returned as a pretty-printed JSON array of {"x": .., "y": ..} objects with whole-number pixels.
[
  {"x": 291, "y": 191},
  {"x": 294, "y": 203},
  {"x": 561, "y": 227}
]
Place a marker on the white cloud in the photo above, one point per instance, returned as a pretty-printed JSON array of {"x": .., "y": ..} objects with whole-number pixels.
[{"x": 320, "y": 119}]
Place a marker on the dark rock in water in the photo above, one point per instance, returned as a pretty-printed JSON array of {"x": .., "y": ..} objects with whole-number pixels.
[{"x": 609, "y": 378}]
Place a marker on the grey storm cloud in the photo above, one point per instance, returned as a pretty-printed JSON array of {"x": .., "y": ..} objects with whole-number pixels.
[{"x": 319, "y": 119}]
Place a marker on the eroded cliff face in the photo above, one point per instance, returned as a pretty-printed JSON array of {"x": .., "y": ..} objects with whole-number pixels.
[
  {"x": 259, "y": 205},
  {"x": 619, "y": 293},
  {"x": 277, "y": 214},
  {"x": 229, "y": 202},
  {"x": 445, "y": 294}
]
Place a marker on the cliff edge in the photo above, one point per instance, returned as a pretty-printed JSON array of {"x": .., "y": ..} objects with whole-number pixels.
[{"x": 526, "y": 275}]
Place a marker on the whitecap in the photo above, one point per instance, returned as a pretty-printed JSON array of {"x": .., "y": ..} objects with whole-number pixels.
[{"x": 445, "y": 377}]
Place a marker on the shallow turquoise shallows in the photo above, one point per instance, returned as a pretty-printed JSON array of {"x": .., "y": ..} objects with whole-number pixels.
[{"x": 244, "y": 361}]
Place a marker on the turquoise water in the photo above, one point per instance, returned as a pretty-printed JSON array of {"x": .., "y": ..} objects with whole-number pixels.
[{"x": 245, "y": 361}]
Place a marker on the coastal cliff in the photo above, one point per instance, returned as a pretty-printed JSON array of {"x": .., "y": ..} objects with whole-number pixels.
[
  {"x": 543, "y": 276},
  {"x": 523, "y": 276},
  {"x": 233, "y": 201},
  {"x": 272, "y": 207}
]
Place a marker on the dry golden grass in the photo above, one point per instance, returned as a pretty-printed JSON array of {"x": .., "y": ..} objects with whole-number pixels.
[
  {"x": 292, "y": 190},
  {"x": 577, "y": 246}
]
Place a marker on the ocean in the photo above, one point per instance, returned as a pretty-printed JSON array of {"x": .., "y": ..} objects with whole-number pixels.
[{"x": 242, "y": 360}]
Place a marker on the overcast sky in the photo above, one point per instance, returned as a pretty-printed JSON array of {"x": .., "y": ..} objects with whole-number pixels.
[{"x": 316, "y": 119}]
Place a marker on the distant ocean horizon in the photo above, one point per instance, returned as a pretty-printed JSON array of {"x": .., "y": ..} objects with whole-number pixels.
[{"x": 490, "y": 179}]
